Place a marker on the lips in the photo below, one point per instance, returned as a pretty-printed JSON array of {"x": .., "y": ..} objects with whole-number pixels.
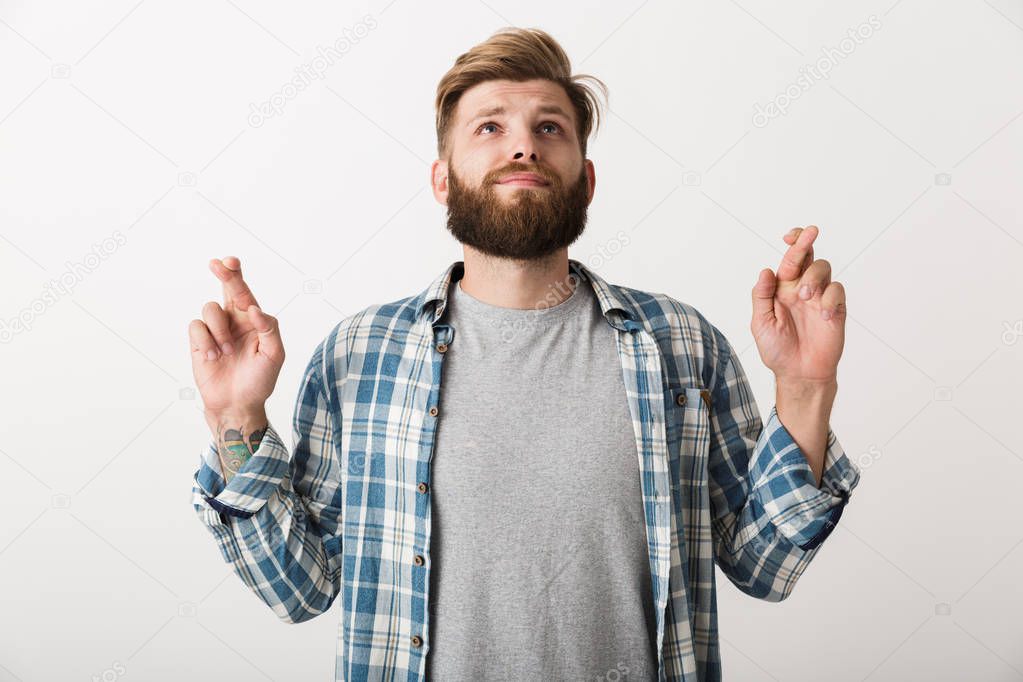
[{"x": 524, "y": 179}]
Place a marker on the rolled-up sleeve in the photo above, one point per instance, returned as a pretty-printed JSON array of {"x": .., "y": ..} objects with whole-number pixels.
[
  {"x": 785, "y": 486},
  {"x": 277, "y": 520},
  {"x": 769, "y": 516}
]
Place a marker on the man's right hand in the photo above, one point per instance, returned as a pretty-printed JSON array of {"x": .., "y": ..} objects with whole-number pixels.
[{"x": 237, "y": 354}]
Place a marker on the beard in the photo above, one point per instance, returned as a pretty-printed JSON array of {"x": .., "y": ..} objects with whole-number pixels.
[{"x": 528, "y": 225}]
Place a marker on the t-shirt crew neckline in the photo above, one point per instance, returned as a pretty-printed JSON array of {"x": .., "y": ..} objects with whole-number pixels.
[{"x": 540, "y": 313}]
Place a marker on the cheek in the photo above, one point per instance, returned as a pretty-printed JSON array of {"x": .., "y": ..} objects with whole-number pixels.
[
  {"x": 471, "y": 170},
  {"x": 568, "y": 165}
]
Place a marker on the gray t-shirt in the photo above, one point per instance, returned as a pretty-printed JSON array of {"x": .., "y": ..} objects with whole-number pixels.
[{"x": 539, "y": 557}]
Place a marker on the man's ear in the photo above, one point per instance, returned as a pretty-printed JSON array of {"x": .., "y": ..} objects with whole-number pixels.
[
  {"x": 439, "y": 181},
  {"x": 591, "y": 179}
]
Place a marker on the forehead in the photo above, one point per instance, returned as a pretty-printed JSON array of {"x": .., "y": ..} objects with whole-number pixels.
[{"x": 513, "y": 96}]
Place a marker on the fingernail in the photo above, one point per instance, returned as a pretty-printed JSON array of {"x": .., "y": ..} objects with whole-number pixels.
[
  {"x": 211, "y": 354},
  {"x": 804, "y": 291},
  {"x": 227, "y": 348}
]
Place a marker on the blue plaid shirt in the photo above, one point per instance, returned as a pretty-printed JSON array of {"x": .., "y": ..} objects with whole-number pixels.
[{"x": 347, "y": 510}]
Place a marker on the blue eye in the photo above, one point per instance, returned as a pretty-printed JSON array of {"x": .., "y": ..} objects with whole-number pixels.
[{"x": 557, "y": 128}]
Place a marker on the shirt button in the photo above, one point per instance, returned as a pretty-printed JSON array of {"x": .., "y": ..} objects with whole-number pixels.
[
  {"x": 419, "y": 560},
  {"x": 681, "y": 399},
  {"x": 442, "y": 347},
  {"x": 417, "y": 641},
  {"x": 421, "y": 487},
  {"x": 434, "y": 411}
]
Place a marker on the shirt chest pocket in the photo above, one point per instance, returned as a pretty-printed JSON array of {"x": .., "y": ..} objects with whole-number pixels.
[{"x": 689, "y": 436}]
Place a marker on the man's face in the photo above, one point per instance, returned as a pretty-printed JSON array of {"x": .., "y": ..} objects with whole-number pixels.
[{"x": 515, "y": 183}]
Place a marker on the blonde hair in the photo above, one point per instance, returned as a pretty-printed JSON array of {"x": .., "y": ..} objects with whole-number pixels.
[{"x": 518, "y": 54}]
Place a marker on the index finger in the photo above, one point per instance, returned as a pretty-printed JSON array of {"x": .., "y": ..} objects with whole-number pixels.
[
  {"x": 236, "y": 292},
  {"x": 792, "y": 262}
]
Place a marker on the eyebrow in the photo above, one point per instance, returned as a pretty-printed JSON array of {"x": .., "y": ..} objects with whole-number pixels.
[{"x": 499, "y": 109}]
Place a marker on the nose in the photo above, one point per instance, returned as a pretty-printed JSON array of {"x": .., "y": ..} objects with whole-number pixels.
[{"x": 523, "y": 145}]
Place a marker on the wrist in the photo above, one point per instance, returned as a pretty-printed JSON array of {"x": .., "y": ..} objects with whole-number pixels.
[
  {"x": 246, "y": 419},
  {"x": 800, "y": 387},
  {"x": 811, "y": 400}
]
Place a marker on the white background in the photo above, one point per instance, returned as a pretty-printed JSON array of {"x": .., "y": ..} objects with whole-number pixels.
[{"x": 132, "y": 118}]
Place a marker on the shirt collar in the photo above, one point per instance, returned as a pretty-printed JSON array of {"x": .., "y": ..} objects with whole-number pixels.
[{"x": 617, "y": 310}]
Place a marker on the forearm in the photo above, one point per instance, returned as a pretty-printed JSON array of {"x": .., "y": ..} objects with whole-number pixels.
[
  {"x": 237, "y": 436},
  {"x": 804, "y": 409}
]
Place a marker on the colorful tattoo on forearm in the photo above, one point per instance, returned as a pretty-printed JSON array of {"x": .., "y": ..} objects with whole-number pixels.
[{"x": 235, "y": 448}]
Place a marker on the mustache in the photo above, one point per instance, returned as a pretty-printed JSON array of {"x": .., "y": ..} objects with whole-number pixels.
[{"x": 516, "y": 167}]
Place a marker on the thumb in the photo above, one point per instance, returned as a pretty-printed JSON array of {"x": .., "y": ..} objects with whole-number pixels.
[
  {"x": 270, "y": 343},
  {"x": 763, "y": 296}
]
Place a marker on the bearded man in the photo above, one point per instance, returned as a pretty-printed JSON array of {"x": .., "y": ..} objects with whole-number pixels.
[{"x": 524, "y": 471}]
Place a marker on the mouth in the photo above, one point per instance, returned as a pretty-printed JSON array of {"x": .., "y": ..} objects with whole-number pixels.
[{"x": 523, "y": 180}]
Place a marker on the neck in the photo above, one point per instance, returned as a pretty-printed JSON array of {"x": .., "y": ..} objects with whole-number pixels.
[{"x": 517, "y": 284}]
